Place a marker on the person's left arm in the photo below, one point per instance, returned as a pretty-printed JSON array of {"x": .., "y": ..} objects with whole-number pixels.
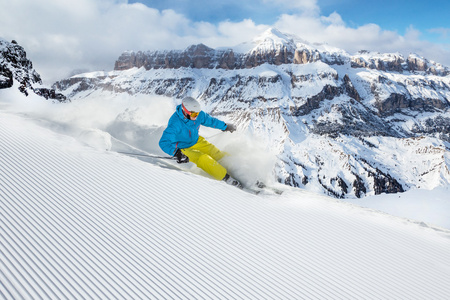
[{"x": 208, "y": 121}]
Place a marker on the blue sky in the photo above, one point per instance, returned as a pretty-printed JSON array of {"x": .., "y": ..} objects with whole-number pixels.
[
  {"x": 395, "y": 15},
  {"x": 65, "y": 37}
]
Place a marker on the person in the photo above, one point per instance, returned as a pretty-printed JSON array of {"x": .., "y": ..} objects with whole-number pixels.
[{"x": 181, "y": 139}]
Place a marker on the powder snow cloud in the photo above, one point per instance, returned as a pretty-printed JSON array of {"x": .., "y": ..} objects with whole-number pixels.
[{"x": 63, "y": 37}]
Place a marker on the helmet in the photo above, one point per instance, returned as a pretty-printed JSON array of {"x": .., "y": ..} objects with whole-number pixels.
[{"x": 191, "y": 104}]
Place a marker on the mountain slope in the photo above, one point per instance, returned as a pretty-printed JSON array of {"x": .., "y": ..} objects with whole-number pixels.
[{"x": 83, "y": 223}]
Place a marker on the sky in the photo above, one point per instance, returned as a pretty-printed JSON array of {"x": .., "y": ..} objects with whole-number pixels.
[{"x": 65, "y": 37}]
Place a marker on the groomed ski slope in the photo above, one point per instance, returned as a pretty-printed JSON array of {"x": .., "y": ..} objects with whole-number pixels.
[{"x": 81, "y": 223}]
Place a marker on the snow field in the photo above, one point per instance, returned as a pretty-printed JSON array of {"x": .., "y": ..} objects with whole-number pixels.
[{"x": 77, "y": 222}]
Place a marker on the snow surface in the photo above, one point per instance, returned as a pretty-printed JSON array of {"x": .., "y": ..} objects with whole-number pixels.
[
  {"x": 135, "y": 124},
  {"x": 78, "y": 220},
  {"x": 416, "y": 204}
]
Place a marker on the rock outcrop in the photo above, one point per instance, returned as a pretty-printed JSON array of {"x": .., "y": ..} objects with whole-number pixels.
[
  {"x": 16, "y": 67},
  {"x": 395, "y": 62}
]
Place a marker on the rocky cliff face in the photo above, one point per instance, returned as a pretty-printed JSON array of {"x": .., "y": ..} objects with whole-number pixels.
[
  {"x": 286, "y": 52},
  {"x": 201, "y": 56},
  {"x": 16, "y": 67},
  {"x": 394, "y": 62},
  {"x": 346, "y": 125}
]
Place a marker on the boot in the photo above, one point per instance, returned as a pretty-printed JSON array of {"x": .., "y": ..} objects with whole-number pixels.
[{"x": 231, "y": 181}]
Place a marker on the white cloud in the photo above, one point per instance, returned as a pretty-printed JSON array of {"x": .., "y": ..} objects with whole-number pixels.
[
  {"x": 333, "y": 19},
  {"x": 63, "y": 35},
  {"x": 232, "y": 33},
  {"x": 444, "y": 32}
]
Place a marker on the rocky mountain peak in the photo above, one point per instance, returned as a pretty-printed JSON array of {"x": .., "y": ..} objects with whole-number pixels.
[
  {"x": 199, "y": 49},
  {"x": 15, "y": 67},
  {"x": 274, "y": 33},
  {"x": 272, "y": 40}
]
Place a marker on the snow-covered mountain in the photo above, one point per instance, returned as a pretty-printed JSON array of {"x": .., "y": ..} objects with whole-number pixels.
[
  {"x": 16, "y": 67},
  {"x": 347, "y": 125}
]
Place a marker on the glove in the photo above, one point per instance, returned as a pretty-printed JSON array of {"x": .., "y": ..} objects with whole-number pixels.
[
  {"x": 181, "y": 158},
  {"x": 230, "y": 128}
]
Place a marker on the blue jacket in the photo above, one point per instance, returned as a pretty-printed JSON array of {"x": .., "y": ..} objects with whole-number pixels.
[{"x": 183, "y": 133}]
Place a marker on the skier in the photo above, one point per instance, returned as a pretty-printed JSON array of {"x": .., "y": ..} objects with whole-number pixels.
[{"x": 182, "y": 140}]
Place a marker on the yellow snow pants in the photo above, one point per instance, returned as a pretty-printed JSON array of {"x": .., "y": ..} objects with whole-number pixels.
[{"x": 205, "y": 155}]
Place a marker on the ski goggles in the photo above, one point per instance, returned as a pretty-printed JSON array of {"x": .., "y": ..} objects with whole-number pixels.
[{"x": 192, "y": 114}]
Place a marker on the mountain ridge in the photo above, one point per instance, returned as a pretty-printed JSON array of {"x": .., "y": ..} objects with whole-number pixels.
[{"x": 274, "y": 47}]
